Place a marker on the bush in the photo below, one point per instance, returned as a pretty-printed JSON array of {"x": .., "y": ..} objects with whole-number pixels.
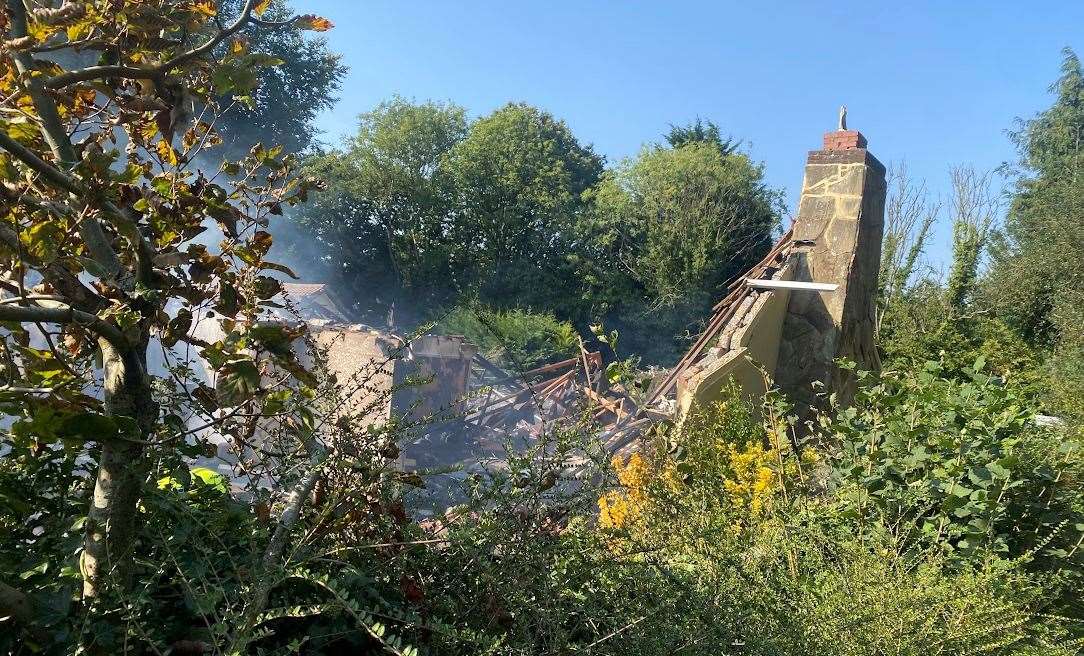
[
  {"x": 516, "y": 339},
  {"x": 959, "y": 465}
]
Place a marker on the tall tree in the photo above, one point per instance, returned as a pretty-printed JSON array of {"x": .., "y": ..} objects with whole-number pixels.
[
  {"x": 700, "y": 131},
  {"x": 383, "y": 216},
  {"x": 423, "y": 207},
  {"x": 1036, "y": 275},
  {"x": 670, "y": 227},
  {"x": 909, "y": 216},
  {"x": 519, "y": 176},
  {"x": 1037, "y": 280},
  {"x": 975, "y": 206},
  {"x": 283, "y": 107},
  {"x": 97, "y": 244}
]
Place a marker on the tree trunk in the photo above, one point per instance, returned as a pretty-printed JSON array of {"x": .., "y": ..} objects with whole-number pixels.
[{"x": 111, "y": 520}]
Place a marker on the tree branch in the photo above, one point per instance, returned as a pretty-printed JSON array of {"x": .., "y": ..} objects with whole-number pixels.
[
  {"x": 62, "y": 315},
  {"x": 67, "y": 283},
  {"x": 98, "y": 72},
  {"x": 89, "y": 229},
  {"x": 52, "y": 129},
  {"x": 157, "y": 72},
  {"x": 50, "y": 173}
]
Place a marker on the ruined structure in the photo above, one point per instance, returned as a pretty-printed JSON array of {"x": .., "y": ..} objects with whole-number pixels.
[
  {"x": 837, "y": 236},
  {"x": 796, "y": 335},
  {"x": 810, "y": 301}
]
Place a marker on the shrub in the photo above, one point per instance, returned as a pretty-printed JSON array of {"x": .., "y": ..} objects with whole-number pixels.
[
  {"x": 518, "y": 339},
  {"x": 959, "y": 465}
]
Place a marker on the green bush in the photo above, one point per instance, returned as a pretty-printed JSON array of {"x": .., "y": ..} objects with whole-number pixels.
[
  {"x": 517, "y": 339},
  {"x": 959, "y": 465}
]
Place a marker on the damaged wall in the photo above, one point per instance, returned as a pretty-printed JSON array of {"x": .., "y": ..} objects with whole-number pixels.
[
  {"x": 797, "y": 335},
  {"x": 837, "y": 236}
]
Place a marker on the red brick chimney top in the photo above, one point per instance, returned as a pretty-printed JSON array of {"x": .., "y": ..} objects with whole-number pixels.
[{"x": 844, "y": 140}]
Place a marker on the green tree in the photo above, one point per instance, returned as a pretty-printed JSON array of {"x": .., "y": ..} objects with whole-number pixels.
[
  {"x": 383, "y": 216},
  {"x": 1036, "y": 277},
  {"x": 1036, "y": 281},
  {"x": 97, "y": 245},
  {"x": 421, "y": 206},
  {"x": 909, "y": 216},
  {"x": 974, "y": 208},
  {"x": 669, "y": 228},
  {"x": 700, "y": 131},
  {"x": 519, "y": 178}
]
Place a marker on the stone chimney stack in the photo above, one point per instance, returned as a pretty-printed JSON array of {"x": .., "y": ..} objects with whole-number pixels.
[{"x": 838, "y": 234}]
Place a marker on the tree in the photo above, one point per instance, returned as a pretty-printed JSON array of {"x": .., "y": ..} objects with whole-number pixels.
[
  {"x": 974, "y": 207},
  {"x": 519, "y": 178},
  {"x": 98, "y": 254},
  {"x": 382, "y": 218},
  {"x": 424, "y": 208},
  {"x": 700, "y": 131},
  {"x": 281, "y": 110},
  {"x": 668, "y": 230},
  {"x": 1035, "y": 274},
  {"x": 909, "y": 216},
  {"x": 1036, "y": 282}
]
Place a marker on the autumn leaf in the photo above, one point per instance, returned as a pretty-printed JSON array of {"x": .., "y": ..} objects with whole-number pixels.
[
  {"x": 166, "y": 152},
  {"x": 237, "y": 381},
  {"x": 261, "y": 7},
  {"x": 205, "y": 8},
  {"x": 313, "y": 22},
  {"x": 42, "y": 241}
]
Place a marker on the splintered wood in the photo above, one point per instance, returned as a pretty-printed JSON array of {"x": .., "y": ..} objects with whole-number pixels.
[{"x": 563, "y": 388}]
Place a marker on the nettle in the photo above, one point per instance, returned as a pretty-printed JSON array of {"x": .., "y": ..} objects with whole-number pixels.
[
  {"x": 107, "y": 107},
  {"x": 960, "y": 463}
]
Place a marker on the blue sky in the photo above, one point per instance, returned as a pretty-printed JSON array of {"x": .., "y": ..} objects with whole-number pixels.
[{"x": 930, "y": 83}]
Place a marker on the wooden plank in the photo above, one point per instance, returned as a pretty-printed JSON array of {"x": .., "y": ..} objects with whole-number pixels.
[{"x": 615, "y": 408}]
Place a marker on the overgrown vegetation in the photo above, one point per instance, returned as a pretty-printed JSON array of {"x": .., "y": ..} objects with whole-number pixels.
[
  {"x": 517, "y": 340},
  {"x": 1012, "y": 291},
  {"x": 427, "y": 210},
  {"x": 170, "y": 490}
]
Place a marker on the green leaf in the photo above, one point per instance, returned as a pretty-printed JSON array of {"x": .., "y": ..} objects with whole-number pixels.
[
  {"x": 238, "y": 381},
  {"x": 42, "y": 240}
]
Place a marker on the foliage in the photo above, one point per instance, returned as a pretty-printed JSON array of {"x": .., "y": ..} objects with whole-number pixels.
[
  {"x": 422, "y": 204},
  {"x": 974, "y": 207},
  {"x": 387, "y": 197},
  {"x": 667, "y": 230},
  {"x": 909, "y": 216},
  {"x": 512, "y": 210},
  {"x": 1035, "y": 280},
  {"x": 959, "y": 465},
  {"x": 283, "y": 107},
  {"x": 700, "y": 131},
  {"x": 101, "y": 269},
  {"x": 920, "y": 326},
  {"x": 516, "y": 339},
  {"x": 519, "y": 175},
  {"x": 799, "y": 575}
]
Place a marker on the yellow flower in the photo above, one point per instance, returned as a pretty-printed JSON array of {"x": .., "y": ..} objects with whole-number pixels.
[{"x": 619, "y": 507}]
